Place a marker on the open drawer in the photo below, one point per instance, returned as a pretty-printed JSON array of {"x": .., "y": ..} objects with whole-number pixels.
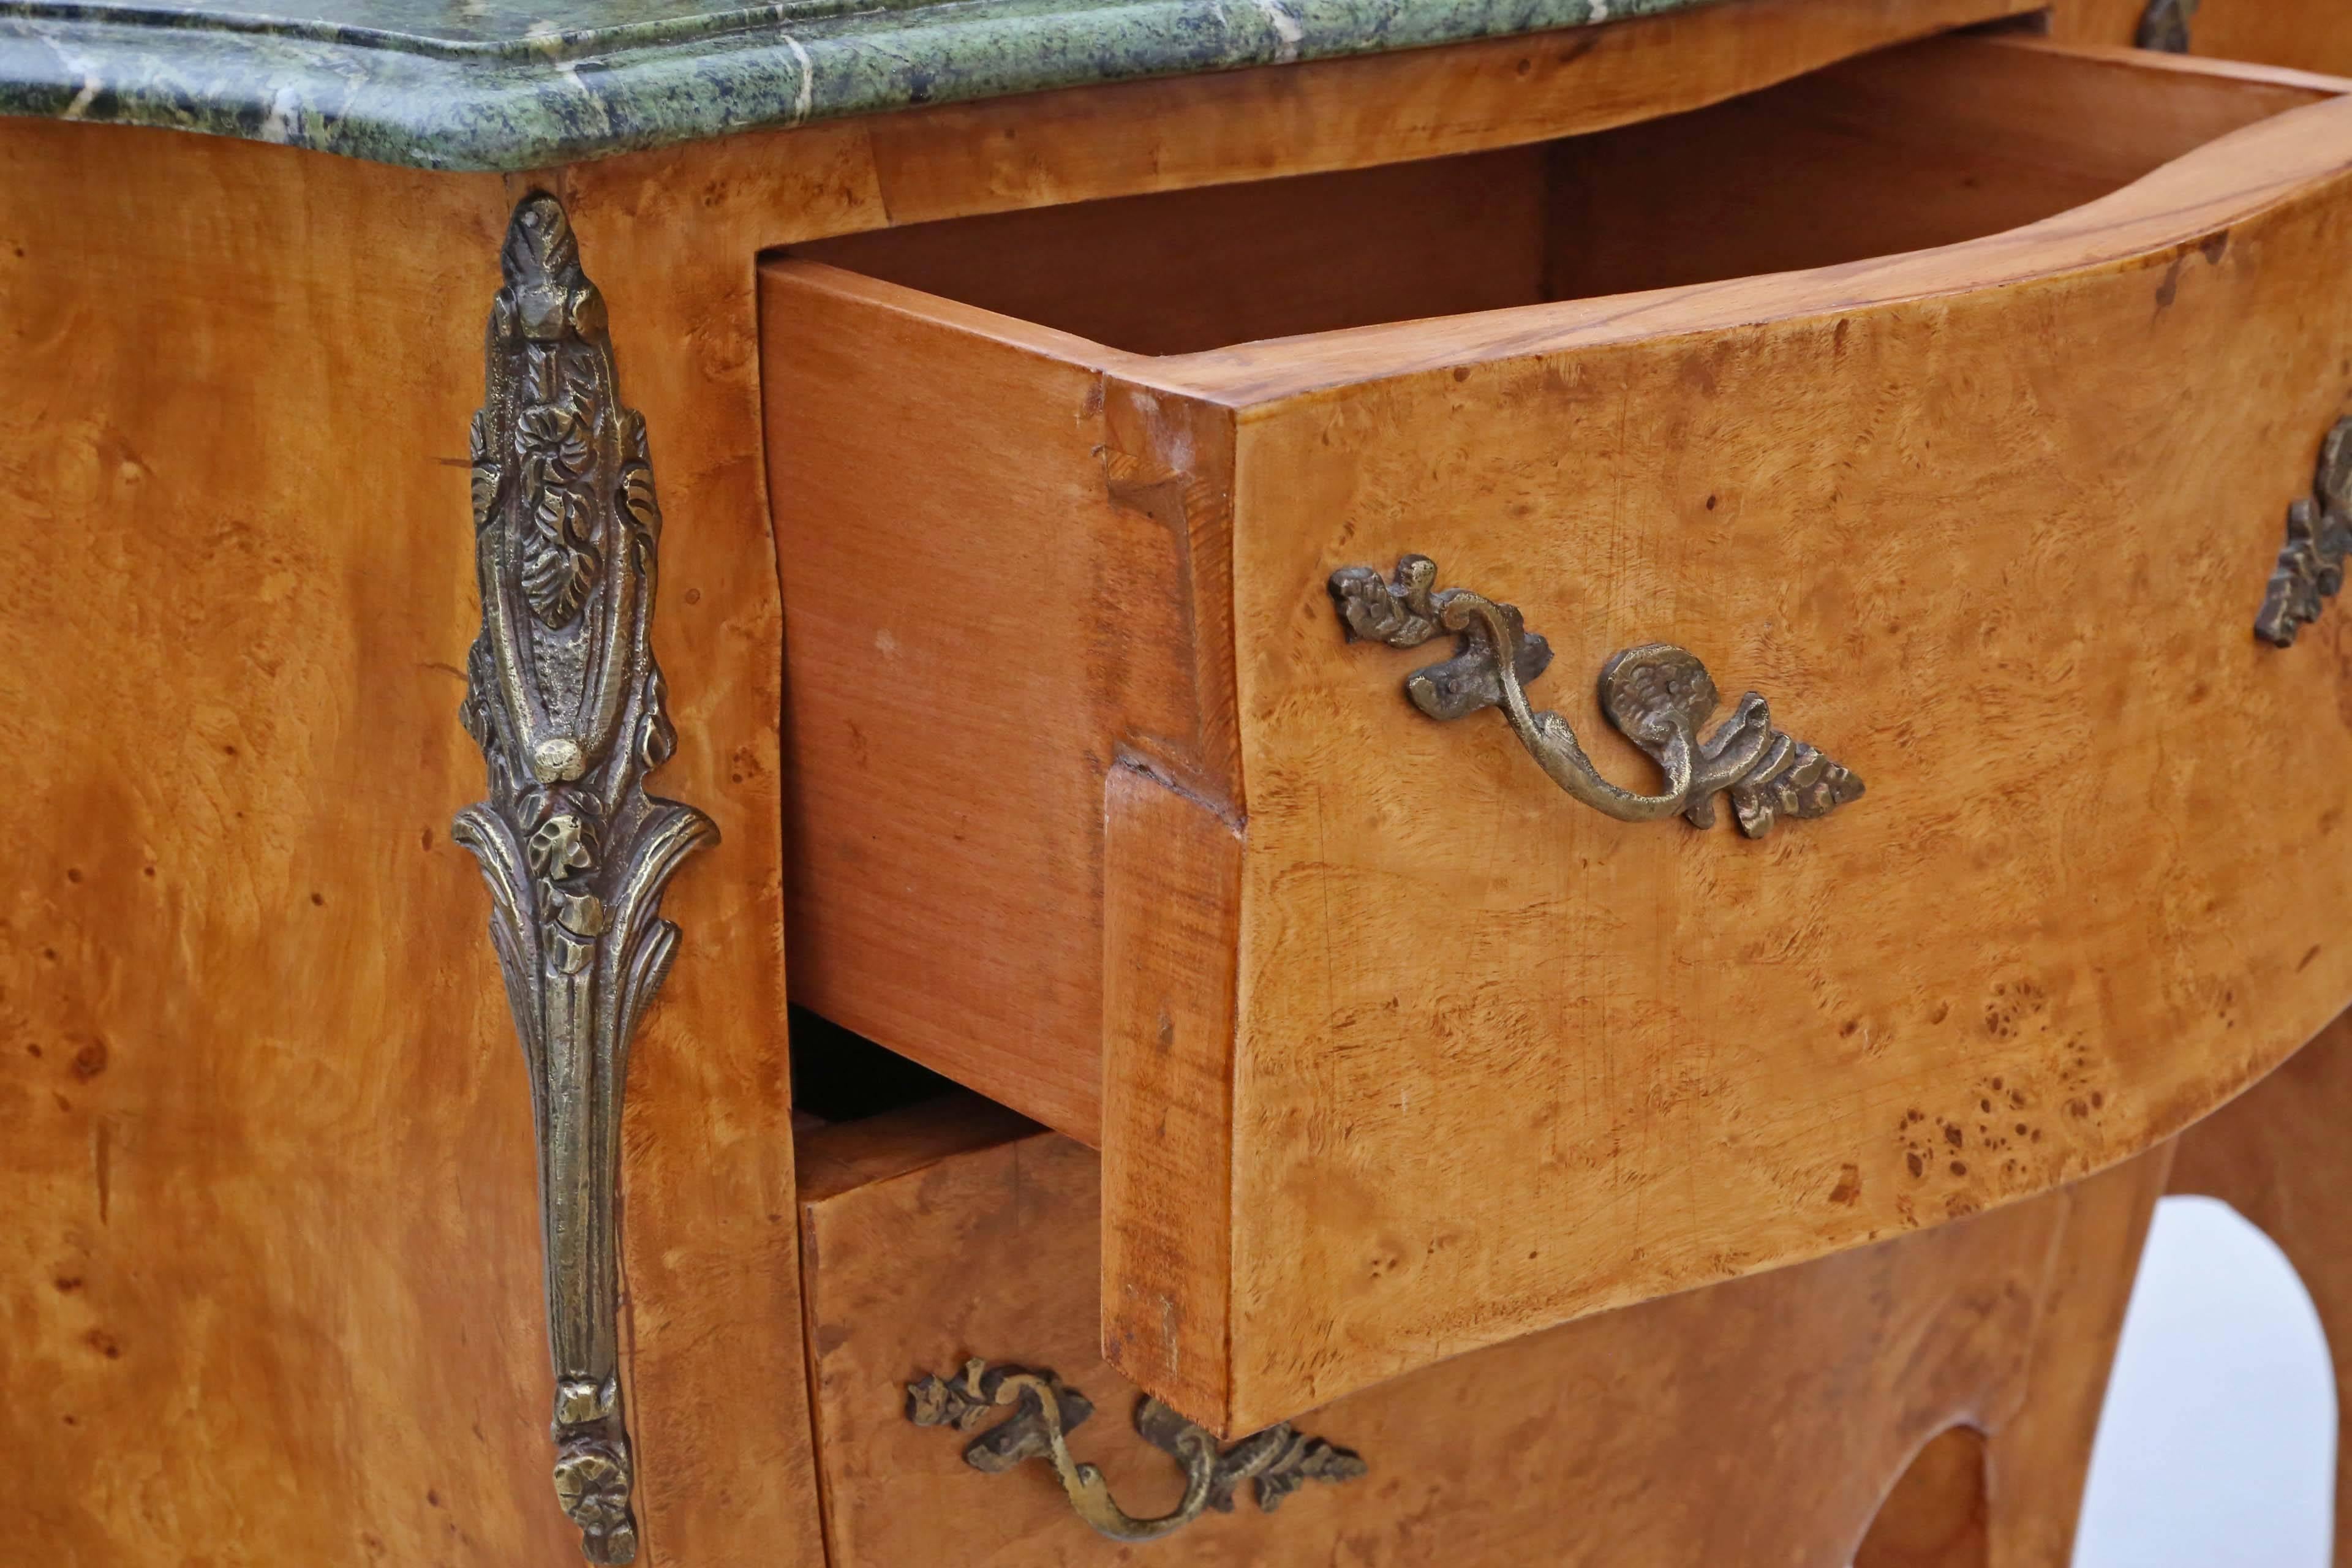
[{"x": 1394, "y": 1045}]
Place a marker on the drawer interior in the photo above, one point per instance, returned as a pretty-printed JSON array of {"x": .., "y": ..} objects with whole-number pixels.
[{"x": 1927, "y": 145}]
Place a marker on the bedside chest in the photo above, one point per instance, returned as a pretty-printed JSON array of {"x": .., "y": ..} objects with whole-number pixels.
[{"x": 1480, "y": 665}]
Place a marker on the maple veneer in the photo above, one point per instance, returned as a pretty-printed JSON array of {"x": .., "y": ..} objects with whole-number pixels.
[{"x": 1393, "y": 1050}]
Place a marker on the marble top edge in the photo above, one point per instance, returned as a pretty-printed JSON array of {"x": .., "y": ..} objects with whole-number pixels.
[
  {"x": 494, "y": 30},
  {"x": 506, "y": 85}
]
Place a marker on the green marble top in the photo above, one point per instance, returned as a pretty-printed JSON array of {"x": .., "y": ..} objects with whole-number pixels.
[{"x": 520, "y": 84}]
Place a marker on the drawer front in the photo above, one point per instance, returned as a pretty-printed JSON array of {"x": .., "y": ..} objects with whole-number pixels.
[
  {"x": 976, "y": 621},
  {"x": 1549, "y": 1450},
  {"x": 1991, "y": 526},
  {"x": 1405, "y": 1047}
]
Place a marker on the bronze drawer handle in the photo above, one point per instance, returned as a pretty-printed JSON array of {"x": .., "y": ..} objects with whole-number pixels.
[
  {"x": 565, "y": 699},
  {"x": 2310, "y": 569},
  {"x": 1279, "y": 1460},
  {"x": 1657, "y": 694}
]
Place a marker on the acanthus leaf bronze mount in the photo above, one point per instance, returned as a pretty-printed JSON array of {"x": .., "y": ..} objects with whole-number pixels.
[
  {"x": 566, "y": 702},
  {"x": 1658, "y": 694}
]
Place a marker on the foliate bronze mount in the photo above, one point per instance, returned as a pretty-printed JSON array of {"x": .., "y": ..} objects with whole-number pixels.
[
  {"x": 1657, "y": 694},
  {"x": 1044, "y": 1411},
  {"x": 2165, "y": 26},
  {"x": 566, "y": 702},
  {"x": 2310, "y": 569}
]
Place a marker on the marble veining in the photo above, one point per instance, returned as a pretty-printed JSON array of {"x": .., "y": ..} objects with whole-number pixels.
[{"x": 521, "y": 84}]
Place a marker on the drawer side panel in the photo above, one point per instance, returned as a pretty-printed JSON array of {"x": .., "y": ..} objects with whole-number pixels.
[{"x": 983, "y": 601}]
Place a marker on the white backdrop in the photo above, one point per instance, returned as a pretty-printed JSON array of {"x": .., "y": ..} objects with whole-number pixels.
[{"x": 2216, "y": 1448}]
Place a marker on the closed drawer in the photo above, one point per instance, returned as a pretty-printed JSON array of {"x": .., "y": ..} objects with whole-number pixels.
[
  {"x": 1393, "y": 1048},
  {"x": 1760, "y": 1422}
]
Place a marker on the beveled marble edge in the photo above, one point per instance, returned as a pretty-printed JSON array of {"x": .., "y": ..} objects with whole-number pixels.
[{"x": 432, "y": 106}]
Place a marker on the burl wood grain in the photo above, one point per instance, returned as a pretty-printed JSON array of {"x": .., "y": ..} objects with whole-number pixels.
[
  {"x": 1988, "y": 523},
  {"x": 963, "y": 688},
  {"x": 2276, "y": 1155},
  {"x": 273, "y": 1291},
  {"x": 272, "y": 1280},
  {"x": 1759, "y": 1422},
  {"x": 273, "y": 1256}
]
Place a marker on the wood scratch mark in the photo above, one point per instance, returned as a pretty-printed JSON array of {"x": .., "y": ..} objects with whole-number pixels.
[{"x": 101, "y": 1161}]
